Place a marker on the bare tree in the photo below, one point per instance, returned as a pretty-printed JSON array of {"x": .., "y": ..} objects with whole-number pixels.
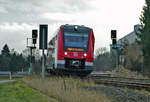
[
  {"x": 103, "y": 60},
  {"x": 101, "y": 51}
]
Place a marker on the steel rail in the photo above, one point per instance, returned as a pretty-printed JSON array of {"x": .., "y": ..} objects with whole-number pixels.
[{"x": 133, "y": 85}]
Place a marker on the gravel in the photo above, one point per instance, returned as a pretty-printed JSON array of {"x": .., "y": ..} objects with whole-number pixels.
[{"x": 122, "y": 94}]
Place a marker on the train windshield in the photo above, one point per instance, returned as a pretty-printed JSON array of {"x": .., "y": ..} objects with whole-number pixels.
[{"x": 75, "y": 41}]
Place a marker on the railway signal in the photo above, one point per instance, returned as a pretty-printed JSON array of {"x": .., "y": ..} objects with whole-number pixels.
[
  {"x": 34, "y": 36},
  {"x": 114, "y": 36},
  {"x": 43, "y": 36},
  {"x": 115, "y": 46},
  {"x": 114, "y": 42}
]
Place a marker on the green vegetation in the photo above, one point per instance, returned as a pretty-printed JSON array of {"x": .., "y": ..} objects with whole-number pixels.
[
  {"x": 144, "y": 36},
  {"x": 66, "y": 89},
  {"x": 10, "y": 60},
  {"x": 18, "y": 92},
  {"x": 145, "y": 92}
]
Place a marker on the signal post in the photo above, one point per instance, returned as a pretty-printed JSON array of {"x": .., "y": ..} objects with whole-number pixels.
[
  {"x": 43, "y": 45},
  {"x": 34, "y": 38},
  {"x": 117, "y": 48},
  {"x": 115, "y": 45}
]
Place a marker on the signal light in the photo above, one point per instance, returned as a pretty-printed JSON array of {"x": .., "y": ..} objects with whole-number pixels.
[
  {"x": 34, "y": 33},
  {"x": 114, "y": 41},
  {"x": 34, "y": 41},
  {"x": 113, "y": 34},
  {"x": 34, "y": 36}
]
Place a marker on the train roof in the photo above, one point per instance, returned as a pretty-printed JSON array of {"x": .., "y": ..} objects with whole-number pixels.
[{"x": 67, "y": 26}]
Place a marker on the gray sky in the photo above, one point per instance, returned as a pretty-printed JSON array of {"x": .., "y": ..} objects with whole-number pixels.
[{"x": 19, "y": 17}]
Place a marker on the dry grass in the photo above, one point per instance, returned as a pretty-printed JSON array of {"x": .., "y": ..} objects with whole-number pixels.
[
  {"x": 123, "y": 72},
  {"x": 133, "y": 53},
  {"x": 66, "y": 89}
]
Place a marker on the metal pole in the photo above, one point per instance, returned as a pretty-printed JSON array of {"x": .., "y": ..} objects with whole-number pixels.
[
  {"x": 43, "y": 66},
  {"x": 117, "y": 57},
  {"x": 30, "y": 71},
  {"x": 27, "y": 42}
]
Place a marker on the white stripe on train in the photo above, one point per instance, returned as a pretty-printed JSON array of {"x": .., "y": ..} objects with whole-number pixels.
[{"x": 63, "y": 62}]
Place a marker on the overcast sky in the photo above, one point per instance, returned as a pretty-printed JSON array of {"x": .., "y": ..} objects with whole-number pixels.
[{"x": 19, "y": 17}]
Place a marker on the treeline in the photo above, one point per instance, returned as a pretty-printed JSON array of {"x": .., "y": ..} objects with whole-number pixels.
[
  {"x": 144, "y": 37},
  {"x": 13, "y": 61}
]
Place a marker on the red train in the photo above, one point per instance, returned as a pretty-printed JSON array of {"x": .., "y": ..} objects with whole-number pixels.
[{"x": 71, "y": 51}]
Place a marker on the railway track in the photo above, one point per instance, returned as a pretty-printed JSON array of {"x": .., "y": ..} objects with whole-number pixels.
[
  {"x": 133, "y": 83},
  {"x": 122, "y": 82}
]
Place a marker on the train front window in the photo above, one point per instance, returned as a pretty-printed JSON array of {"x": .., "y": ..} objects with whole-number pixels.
[{"x": 75, "y": 41}]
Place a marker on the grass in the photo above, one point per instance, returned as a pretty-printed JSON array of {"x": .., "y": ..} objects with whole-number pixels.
[
  {"x": 66, "y": 89},
  {"x": 18, "y": 92}
]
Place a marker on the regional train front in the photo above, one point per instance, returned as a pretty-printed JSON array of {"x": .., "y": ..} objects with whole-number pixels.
[{"x": 73, "y": 52}]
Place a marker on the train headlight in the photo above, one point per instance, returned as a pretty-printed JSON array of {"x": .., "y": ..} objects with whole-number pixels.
[
  {"x": 66, "y": 53},
  {"x": 85, "y": 54},
  {"x": 76, "y": 28}
]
